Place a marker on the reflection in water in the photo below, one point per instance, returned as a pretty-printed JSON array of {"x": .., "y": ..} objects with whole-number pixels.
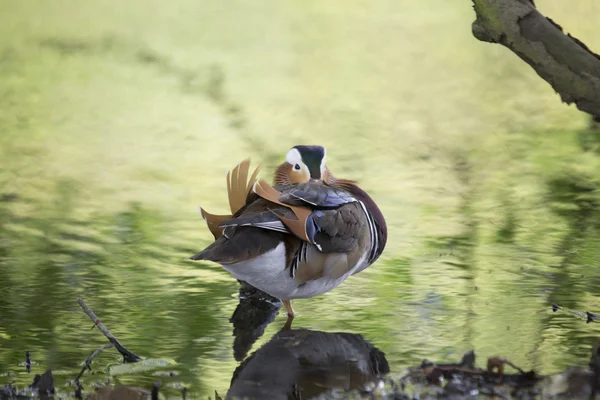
[
  {"x": 254, "y": 312},
  {"x": 300, "y": 363}
]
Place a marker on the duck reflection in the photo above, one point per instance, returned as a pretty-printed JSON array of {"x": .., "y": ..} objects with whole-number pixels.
[
  {"x": 255, "y": 311},
  {"x": 297, "y": 363}
]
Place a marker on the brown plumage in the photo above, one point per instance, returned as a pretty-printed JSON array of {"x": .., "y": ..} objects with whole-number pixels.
[
  {"x": 299, "y": 238},
  {"x": 341, "y": 235},
  {"x": 238, "y": 188}
]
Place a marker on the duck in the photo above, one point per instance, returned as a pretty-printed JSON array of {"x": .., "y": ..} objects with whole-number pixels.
[{"x": 300, "y": 237}]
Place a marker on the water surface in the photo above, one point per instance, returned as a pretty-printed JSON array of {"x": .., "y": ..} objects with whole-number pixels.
[{"x": 117, "y": 120}]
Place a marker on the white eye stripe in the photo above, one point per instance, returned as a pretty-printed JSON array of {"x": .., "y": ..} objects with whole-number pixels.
[{"x": 293, "y": 157}]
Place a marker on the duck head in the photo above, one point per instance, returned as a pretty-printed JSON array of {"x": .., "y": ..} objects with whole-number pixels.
[{"x": 303, "y": 164}]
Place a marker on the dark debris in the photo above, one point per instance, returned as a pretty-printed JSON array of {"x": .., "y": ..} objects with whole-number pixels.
[
  {"x": 588, "y": 316},
  {"x": 43, "y": 384}
]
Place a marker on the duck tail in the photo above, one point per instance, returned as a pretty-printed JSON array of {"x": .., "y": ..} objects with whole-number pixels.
[
  {"x": 222, "y": 251},
  {"x": 208, "y": 253},
  {"x": 199, "y": 256}
]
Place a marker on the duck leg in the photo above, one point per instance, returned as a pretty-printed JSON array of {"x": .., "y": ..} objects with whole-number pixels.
[
  {"x": 291, "y": 314},
  {"x": 289, "y": 308}
]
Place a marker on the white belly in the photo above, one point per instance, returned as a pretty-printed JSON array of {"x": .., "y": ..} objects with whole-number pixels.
[{"x": 269, "y": 274}]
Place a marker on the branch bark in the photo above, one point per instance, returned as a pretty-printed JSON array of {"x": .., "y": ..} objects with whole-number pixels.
[{"x": 563, "y": 61}]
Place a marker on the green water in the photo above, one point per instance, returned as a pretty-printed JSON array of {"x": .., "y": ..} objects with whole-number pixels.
[{"x": 117, "y": 119}]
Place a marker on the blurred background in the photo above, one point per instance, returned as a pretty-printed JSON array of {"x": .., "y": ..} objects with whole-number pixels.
[{"x": 117, "y": 119}]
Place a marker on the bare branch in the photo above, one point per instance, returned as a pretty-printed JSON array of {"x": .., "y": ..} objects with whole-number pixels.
[
  {"x": 88, "y": 361},
  {"x": 563, "y": 61},
  {"x": 128, "y": 356}
]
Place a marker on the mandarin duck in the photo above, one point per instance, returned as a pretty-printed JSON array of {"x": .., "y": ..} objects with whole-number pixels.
[{"x": 301, "y": 237}]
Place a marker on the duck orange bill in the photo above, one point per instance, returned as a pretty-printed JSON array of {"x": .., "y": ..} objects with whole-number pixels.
[{"x": 296, "y": 226}]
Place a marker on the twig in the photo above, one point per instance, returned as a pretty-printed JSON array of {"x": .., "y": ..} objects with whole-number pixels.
[
  {"x": 88, "y": 361},
  {"x": 434, "y": 372},
  {"x": 588, "y": 316},
  {"x": 128, "y": 356},
  {"x": 514, "y": 366}
]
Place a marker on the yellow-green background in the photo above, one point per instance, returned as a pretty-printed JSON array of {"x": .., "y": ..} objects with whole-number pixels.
[{"x": 117, "y": 118}]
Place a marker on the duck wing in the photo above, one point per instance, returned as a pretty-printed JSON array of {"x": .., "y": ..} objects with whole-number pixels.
[
  {"x": 326, "y": 236},
  {"x": 259, "y": 213},
  {"x": 316, "y": 195},
  {"x": 251, "y": 232},
  {"x": 341, "y": 237},
  {"x": 325, "y": 216},
  {"x": 244, "y": 244},
  {"x": 239, "y": 186}
]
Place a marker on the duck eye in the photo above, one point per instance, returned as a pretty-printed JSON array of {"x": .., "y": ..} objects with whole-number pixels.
[{"x": 297, "y": 166}]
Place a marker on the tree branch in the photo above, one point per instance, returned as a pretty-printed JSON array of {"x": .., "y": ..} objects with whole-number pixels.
[
  {"x": 563, "y": 61},
  {"x": 88, "y": 361},
  {"x": 128, "y": 356}
]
